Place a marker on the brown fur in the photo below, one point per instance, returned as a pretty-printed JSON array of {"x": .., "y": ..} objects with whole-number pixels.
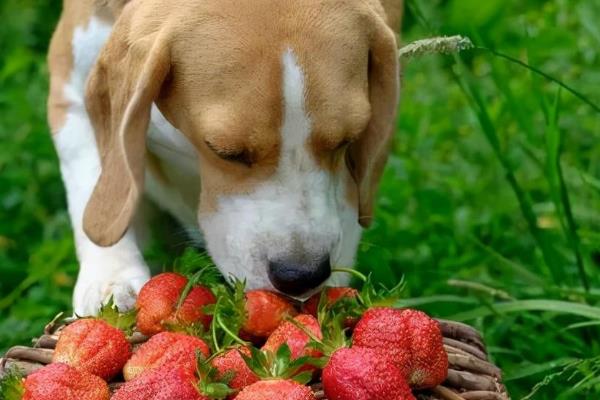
[{"x": 213, "y": 67}]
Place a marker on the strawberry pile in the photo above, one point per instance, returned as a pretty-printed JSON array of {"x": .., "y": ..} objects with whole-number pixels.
[{"x": 210, "y": 339}]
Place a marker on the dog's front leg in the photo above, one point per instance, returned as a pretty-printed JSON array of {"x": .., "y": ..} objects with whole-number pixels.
[{"x": 119, "y": 270}]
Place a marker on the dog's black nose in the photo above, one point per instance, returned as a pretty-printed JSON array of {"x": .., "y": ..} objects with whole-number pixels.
[{"x": 296, "y": 278}]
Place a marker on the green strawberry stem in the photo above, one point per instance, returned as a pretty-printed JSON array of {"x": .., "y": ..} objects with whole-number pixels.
[
  {"x": 207, "y": 276},
  {"x": 213, "y": 336},
  {"x": 231, "y": 310},
  {"x": 354, "y": 272},
  {"x": 235, "y": 337},
  {"x": 188, "y": 288}
]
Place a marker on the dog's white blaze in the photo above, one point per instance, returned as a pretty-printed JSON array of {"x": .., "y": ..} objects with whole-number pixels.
[
  {"x": 300, "y": 208},
  {"x": 118, "y": 270}
]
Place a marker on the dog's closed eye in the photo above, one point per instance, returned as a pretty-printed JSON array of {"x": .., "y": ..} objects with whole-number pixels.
[
  {"x": 240, "y": 156},
  {"x": 343, "y": 145}
]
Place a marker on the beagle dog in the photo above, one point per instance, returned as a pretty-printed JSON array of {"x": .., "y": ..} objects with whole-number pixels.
[{"x": 265, "y": 123}]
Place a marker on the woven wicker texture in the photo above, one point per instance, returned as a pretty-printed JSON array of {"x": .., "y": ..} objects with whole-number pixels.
[{"x": 471, "y": 376}]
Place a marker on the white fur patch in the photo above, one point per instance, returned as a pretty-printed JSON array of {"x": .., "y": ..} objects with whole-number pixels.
[
  {"x": 119, "y": 270},
  {"x": 87, "y": 43},
  {"x": 180, "y": 165},
  {"x": 302, "y": 208},
  {"x": 171, "y": 145}
]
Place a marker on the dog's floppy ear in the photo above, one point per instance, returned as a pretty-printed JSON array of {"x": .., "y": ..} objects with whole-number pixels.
[
  {"x": 368, "y": 155},
  {"x": 394, "y": 9},
  {"x": 124, "y": 83}
]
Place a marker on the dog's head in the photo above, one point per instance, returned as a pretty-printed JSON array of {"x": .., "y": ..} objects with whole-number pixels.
[{"x": 290, "y": 106}]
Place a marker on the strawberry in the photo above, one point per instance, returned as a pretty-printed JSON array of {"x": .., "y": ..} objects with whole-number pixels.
[
  {"x": 94, "y": 346},
  {"x": 171, "y": 299},
  {"x": 360, "y": 373},
  {"x": 52, "y": 382},
  {"x": 411, "y": 339},
  {"x": 276, "y": 389},
  {"x": 231, "y": 361},
  {"x": 297, "y": 340},
  {"x": 265, "y": 311},
  {"x": 332, "y": 295},
  {"x": 166, "y": 349},
  {"x": 168, "y": 382}
]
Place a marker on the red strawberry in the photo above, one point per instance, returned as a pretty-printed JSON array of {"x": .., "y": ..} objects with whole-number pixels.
[
  {"x": 167, "y": 349},
  {"x": 411, "y": 339},
  {"x": 94, "y": 346},
  {"x": 295, "y": 338},
  {"x": 158, "y": 299},
  {"x": 53, "y": 382},
  {"x": 360, "y": 373},
  {"x": 265, "y": 311},
  {"x": 276, "y": 389},
  {"x": 333, "y": 294},
  {"x": 232, "y": 361},
  {"x": 191, "y": 309},
  {"x": 169, "y": 382}
]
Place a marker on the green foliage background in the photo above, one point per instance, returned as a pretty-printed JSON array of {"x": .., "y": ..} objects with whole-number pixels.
[{"x": 476, "y": 134}]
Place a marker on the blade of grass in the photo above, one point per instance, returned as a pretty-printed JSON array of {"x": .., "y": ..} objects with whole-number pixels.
[
  {"x": 516, "y": 108},
  {"x": 419, "y": 301},
  {"x": 582, "y": 325},
  {"x": 60, "y": 254},
  {"x": 523, "y": 371},
  {"x": 537, "y": 71},
  {"x": 416, "y": 11},
  {"x": 480, "y": 287},
  {"x": 558, "y": 188},
  {"x": 525, "y": 273},
  {"x": 556, "y": 306},
  {"x": 488, "y": 128},
  {"x": 589, "y": 180}
]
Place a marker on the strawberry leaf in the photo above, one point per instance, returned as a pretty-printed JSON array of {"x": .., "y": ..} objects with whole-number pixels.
[
  {"x": 372, "y": 295},
  {"x": 278, "y": 365},
  {"x": 281, "y": 363},
  {"x": 194, "y": 329},
  {"x": 110, "y": 314},
  {"x": 208, "y": 276},
  {"x": 229, "y": 314},
  {"x": 303, "y": 378},
  {"x": 257, "y": 362},
  {"x": 210, "y": 384},
  {"x": 346, "y": 308},
  {"x": 331, "y": 321}
]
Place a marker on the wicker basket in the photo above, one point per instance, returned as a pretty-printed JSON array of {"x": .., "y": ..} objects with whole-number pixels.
[{"x": 470, "y": 377}]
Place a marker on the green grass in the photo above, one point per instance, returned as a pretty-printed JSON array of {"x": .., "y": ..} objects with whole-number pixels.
[{"x": 490, "y": 204}]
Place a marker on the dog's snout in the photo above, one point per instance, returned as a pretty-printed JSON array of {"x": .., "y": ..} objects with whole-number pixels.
[{"x": 296, "y": 278}]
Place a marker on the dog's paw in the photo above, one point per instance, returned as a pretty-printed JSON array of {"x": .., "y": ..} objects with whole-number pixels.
[{"x": 97, "y": 284}]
